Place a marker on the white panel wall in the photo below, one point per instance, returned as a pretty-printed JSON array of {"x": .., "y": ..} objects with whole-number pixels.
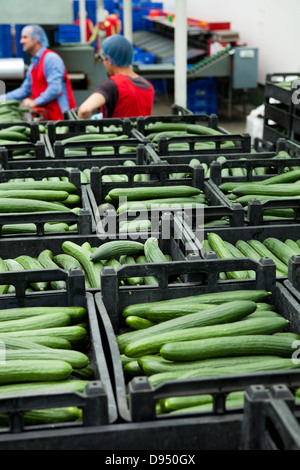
[{"x": 270, "y": 25}]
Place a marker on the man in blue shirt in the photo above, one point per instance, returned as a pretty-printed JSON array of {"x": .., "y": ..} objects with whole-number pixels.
[{"x": 46, "y": 83}]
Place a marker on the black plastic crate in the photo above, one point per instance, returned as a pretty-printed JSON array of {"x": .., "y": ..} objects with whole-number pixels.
[
  {"x": 211, "y": 121},
  {"x": 59, "y": 130},
  {"x": 255, "y": 210},
  {"x": 37, "y": 151},
  {"x": 84, "y": 219},
  {"x": 241, "y": 143},
  {"x": 173, "y": 237},
  {"x": 259, "y": 232},
  {"x": 277, "y": 92},
  {"x": 97, "y": 401},
  {"x": 292, "y": 283},
  {"x": 35, "y": 134},
  {"x": 114, "y": 148},
  {"x": 140, "y": 404},
  {"x": 161, "y": 175},
  {"x": 271, "y": 419}
]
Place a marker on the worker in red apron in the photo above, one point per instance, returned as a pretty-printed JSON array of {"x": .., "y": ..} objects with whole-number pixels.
[
  {"x": 46, "y": 88},
  {"x": 123, "y": 93}
]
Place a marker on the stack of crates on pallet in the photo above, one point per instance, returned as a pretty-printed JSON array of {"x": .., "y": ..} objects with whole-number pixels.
[
  {"x": 5, "y": 41},
  {"x": 202, "y": 95}
]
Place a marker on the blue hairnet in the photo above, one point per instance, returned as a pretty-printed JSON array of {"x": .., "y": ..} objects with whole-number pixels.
[
  {"x": 38, "y": 33},
  {"x": 117, "y": 50}
]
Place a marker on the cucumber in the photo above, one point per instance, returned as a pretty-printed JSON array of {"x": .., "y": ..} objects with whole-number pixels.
[
  {"x": 11, "y": 205},
  {"x": 76, "y": 314},
  {"x": 30, "y": 263},
  {"x": 253, "y": 326},
  {"x": 46, "y": 260},
  {"x": 4, "y": 287},
  {"x": 255, "y": 295},
  {"x": 288, "y": 177},
  {"x": 268, "y": 364},
  {"x": 285, "y": 190},
  {"x": 138, "y": 323},
  {"x": 237, "y": 403},
  {"x": 222, "y": 251},
  {"x": 133, "y": 281},
  {"x": 148, "y": 280},
  {"x": 74, "y": 358},
  {"x": 156, "y": 364},
  {"x": 116, "y": 248},
  {"x": 228, "y": 312},
  {"x": 19, "y": 371},
  {"x": 46, "y": 195},
  {"x": 280, "y": 249},
  {"x": 33, "y": 323},
  {"x": 292, "y": 244},
  {"x": 132, "y": 368},
  {"x": 83, "y": 256},
  {"x": 40, "y": 185},
  {"x": 44, "y": 386},
  {"x": 163, "y": 313},
  {"x": 74, "y": 334},
  {"x": 140, "y": 193},
  {"x": 263, "y": 251},
  {"x": 153, "y": 252},
  {"x": 52, "y": 415},
  {"x": 228, "y": 346}
]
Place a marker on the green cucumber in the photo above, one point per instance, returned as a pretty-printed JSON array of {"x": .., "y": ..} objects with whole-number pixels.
[
  {"x": 263, "y": 251},
  {"x": 3, "y": 267},
  {"x": 280, "y": 249},
  {"x": 269, "y": 364},
  {"x": 228, "y": 312},
  {"x": 46, "y": 260},
  {"x": 228, "y": 346},
  {"x": 285, "y": 190},
  {"x": 74, "y": 334},
  {"x": 34, "y": 371},
  {"x": 222, "y": 251},
  {"x": 33, "y": 323},
  {"x": 153, "y": 252},
  {"x": 44, "y": 386},
  {"x": 255, "y": 295},
  {"x": 83, "y": 256},
  {"x": 133, "y": 281},
  {"x": 116, "y": 248},
  {"x": 140, "y": 193},
  {"x": 46, "y": 195},
  {"x": 148, "y": 280},
  {"x": 138, "y": 323},
  {"x": 292, "y": 244},
  {"x": 30, "y": 263},
  {"x": 153, "y": 343},
  {"x": 74, "y": 358},
  {"x": 76, "y": 314}
]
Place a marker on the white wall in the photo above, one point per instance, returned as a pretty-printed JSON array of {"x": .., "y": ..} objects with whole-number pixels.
[{"x": 270, "y": 25}]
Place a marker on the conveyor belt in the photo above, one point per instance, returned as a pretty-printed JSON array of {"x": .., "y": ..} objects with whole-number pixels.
[{"x": 161, "y": 46}]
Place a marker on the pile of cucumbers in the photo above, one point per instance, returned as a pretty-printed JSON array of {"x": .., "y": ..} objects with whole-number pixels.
[
  {"x": 279, "y": 251},
  {"x": 205, "y": 335},
  {"x": 44, "y": 348}
]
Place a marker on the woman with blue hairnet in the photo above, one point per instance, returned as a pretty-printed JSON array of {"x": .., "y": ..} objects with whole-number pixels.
[
  {"x": 46, "y": 83},
  {"x": 123, "y": 93}
]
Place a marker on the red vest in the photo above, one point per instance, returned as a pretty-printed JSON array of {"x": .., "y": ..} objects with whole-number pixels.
[
  {"x": 39, "y": 85},
  {"x": 133, "y": 101}
]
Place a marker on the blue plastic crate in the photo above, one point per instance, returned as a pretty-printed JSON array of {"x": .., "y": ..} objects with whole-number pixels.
[
  {"x": 202, "y": 96},
  {"x": 143, "y": 58},
  {"x": 5, "y": 41},
  {"x": 67, "y": 33}
]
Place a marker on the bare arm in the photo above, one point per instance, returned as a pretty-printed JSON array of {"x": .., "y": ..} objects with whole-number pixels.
[{"x": 93, "y": 102}]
